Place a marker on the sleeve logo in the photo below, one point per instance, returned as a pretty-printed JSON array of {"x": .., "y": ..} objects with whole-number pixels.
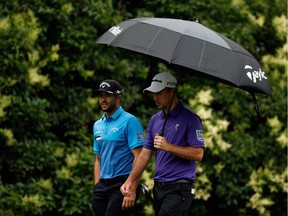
[
  {"x": 140, "y": 136},
  {"x": 199, "y": 135}
]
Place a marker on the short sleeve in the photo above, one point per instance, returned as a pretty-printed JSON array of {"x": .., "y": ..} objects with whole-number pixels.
[
  {"x": 95, "y": 141},
  {"x": 195, "y": 136},
  {"x": 135, "y": 133}
]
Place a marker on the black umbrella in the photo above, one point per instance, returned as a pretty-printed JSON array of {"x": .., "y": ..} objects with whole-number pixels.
[{"x": 193, "y": 46}]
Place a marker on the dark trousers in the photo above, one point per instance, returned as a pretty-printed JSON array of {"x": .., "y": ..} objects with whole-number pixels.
[
  {"x": 174, "y": 199},
  {"x": 107, "y": 198}
]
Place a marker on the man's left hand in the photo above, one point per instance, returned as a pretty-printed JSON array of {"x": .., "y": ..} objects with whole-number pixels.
[{"x": 129, "y": 200}]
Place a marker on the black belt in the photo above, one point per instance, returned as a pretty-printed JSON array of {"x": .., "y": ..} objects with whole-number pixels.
[
  {"x": 190, "y": 181},
  {"x": 113, "y": 180}
]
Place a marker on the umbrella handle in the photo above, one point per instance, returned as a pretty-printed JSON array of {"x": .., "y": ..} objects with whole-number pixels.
[
  {"x": 256, "y": 105},
  {"x": 166, "y": 116}
]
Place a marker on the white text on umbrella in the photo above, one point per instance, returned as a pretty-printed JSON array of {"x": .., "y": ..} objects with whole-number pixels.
[{"x": 254, "y": 75}]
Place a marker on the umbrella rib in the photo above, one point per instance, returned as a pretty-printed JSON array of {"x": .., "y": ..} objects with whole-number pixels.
[
  {"x": 153, "y": 40},
  {"x": 201, "y": 55}
]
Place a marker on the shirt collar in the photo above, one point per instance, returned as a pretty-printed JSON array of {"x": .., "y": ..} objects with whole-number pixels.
[
  {"x": 177, "y": 109},
  {"x": 115, "y": 115}
]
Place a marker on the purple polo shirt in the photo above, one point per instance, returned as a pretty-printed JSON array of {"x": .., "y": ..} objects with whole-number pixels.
[{"x": 183, "y": 128}]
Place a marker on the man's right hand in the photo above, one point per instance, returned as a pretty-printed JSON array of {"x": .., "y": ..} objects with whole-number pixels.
[
  {"x": 126, "y": 187},
  {"x": 129, "y": 195}
]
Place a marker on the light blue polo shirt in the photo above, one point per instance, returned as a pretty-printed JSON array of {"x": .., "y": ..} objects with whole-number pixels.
[{"x": 114, "y": 138}]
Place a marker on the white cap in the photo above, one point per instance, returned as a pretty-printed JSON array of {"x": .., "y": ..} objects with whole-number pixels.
[{"x": 161, "y": 81}]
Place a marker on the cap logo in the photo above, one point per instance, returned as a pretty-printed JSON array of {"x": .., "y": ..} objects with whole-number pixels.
[
  {"x": 171, "y": 84},
  {"x": 155, "y": 80},
  {"x": 104, "y": 84}
]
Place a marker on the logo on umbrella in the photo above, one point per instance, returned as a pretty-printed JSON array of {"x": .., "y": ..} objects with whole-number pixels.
[
  {"x": 254, "y": 75},
  {"x": 115, "y": 30}
]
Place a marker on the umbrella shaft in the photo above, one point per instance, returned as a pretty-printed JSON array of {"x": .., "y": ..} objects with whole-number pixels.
[{"x": 166, "y": 116}]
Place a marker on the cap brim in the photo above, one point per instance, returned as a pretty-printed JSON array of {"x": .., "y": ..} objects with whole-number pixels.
[
  {"x": 154, "y": 88},
  {"x": 98, "y": 91}
]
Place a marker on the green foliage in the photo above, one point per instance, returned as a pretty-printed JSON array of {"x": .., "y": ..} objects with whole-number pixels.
[{"x": 50, "y": 64}]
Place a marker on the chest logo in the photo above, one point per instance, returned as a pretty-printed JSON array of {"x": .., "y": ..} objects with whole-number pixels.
[
  {"x": 114, "y": 130},
  {"x": 97, "y": 138},
  {"x": 176, "y": 126}
]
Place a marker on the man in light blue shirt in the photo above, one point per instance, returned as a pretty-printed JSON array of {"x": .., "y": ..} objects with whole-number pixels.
[{"x": 118, "y": 140}]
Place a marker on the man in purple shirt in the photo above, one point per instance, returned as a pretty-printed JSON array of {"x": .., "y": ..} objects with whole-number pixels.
[{"x": 175, "y": 135}]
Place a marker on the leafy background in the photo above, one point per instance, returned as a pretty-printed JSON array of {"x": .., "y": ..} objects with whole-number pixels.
[{"x": 50, "y": 64}]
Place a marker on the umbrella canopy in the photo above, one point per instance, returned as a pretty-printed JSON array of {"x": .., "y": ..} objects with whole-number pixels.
[{"x": 193, "y": 46}]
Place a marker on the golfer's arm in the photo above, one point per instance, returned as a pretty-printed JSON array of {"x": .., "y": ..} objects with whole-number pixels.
[
  {"x": 136, "y": 152},
  {"x": 97, "y": 169},
  {"x": 140, "y": 165},
  {"x": 189, "y": 153}
]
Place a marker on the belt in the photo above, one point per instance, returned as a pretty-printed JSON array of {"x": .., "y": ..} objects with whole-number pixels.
[
  {"x": 113, "y": 180},
  {"x": 190, "y": 181}
]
